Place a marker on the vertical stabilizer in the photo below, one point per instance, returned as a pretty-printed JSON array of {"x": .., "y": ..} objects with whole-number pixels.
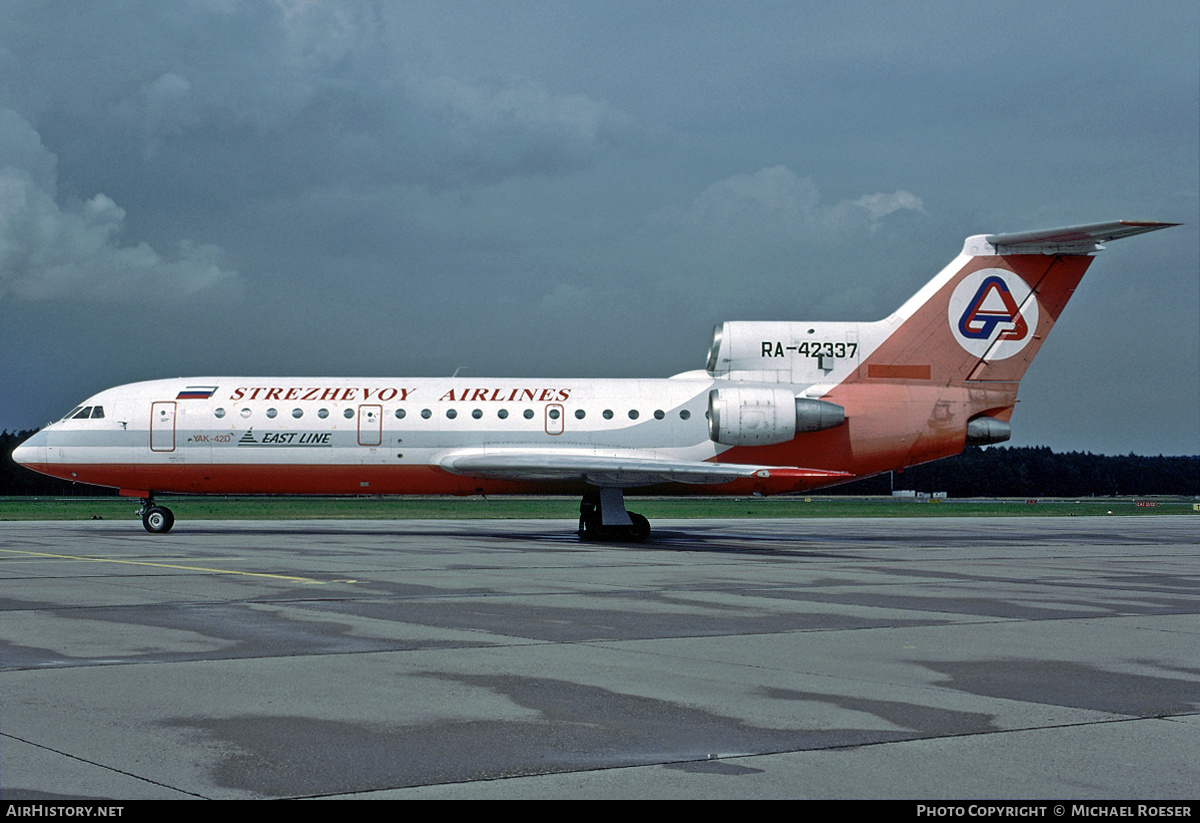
[
  {"x": 984, "y": 317},
  {"x": 945, "y": 370}
]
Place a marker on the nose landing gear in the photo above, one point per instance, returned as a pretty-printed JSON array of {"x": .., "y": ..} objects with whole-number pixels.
[{"x": 156, "y": 519}]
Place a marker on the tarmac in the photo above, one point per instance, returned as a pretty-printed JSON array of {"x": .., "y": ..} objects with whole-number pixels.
[{"x": 924, "y": 658}]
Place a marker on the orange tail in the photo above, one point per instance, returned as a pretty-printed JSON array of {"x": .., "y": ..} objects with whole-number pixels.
[
  {"x": 950, "y": 365},
  {"x": 939, "y": 373}
]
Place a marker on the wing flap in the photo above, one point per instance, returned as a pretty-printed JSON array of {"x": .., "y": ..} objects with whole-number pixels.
[{"x": 612, "y": 469}]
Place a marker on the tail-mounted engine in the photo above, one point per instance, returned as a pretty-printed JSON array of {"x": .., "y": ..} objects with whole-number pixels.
[
  {"x": 754, "y": 416},
  {"x": 786, "y": 352}
]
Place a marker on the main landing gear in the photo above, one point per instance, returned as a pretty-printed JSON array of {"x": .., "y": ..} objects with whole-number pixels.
[
  {"x": 602, "y": 516},
  {"x": 156, "y": 519}
]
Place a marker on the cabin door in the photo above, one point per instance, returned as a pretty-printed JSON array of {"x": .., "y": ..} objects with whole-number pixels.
[
  {"x": 370, "y": 425},
  {"x": 162, "y": 426},
  {"x": 554, "y": 418}
]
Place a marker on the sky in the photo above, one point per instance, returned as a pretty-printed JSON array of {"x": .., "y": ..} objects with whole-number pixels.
[{"x": 583, "y": 189}]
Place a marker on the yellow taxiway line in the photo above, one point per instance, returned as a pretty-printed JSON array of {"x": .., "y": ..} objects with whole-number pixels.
[{"x": 162, "y": 565}]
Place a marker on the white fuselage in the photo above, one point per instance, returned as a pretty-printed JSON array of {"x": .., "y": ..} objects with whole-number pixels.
[{"x": 365, "y": 435}]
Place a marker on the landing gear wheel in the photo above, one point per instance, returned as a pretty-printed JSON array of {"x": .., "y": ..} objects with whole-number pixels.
[
  {"x": 639, "y": 532},
  {"x": 158, "y": 519},
  {"x": 589, "y": 518},
  {"x": 590, "y": 528}
]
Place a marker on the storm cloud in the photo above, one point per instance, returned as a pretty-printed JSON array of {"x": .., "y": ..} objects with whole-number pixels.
[{"x": 51, "y": 251}]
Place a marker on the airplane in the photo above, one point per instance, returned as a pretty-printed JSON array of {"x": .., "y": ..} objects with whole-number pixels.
[{"x": 780, "y": 408}]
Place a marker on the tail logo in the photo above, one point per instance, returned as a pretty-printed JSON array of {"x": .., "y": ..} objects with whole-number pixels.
[
  {"x": 992, "y": 305},
  {"x": 991, "y": 313}
]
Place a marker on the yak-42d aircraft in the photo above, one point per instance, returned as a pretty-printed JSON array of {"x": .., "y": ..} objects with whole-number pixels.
[{"x": 781, "y": 407}]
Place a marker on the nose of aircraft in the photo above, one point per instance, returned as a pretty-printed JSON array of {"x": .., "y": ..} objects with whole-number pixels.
[{"x": 31, "y": 451}]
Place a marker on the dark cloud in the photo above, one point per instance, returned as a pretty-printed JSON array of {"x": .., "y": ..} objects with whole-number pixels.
[{"x": 50, "y": 251}]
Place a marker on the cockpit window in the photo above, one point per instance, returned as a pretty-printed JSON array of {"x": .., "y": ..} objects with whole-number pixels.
[{"x": 85, "y": 413}]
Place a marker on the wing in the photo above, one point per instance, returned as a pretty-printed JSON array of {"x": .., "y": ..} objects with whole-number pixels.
[{"x": 612, "y": 469}]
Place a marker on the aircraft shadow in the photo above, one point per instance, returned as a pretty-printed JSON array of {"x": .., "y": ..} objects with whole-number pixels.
[{"x": 660, "y": 539}]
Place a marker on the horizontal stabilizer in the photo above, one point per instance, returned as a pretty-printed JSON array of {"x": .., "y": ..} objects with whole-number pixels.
[
  {"x": 1070, "y": 239},
  {"x": 612, "y": 470}
]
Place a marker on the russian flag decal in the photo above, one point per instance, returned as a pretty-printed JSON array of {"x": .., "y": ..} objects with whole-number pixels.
[{"x": 196, "y": 393}]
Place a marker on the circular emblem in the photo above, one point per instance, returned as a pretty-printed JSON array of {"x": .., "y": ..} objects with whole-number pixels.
[{"x": 993, "y": 313}]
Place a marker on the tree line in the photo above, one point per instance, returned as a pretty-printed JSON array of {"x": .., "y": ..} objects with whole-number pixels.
[
  {"x": 995, "y": 471},
  {"x": 1036, "y": 471}
]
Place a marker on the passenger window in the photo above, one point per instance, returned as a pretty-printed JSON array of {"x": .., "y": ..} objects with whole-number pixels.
[
  {"x": 348, "y": 413},
  {"x": 400, "y": 414},
  {"x": 451, "y": 413},
  {"x": 580, "y": 414},
  {"x": 684, "y": 414},
  {"x": 608, "y": 414},
  {"x": 219, "y": 413},
  {"x": 554, "y": 414},
  {"x": 322, "y": 413},
  {"x": 271, "y": 413},
  {"x": 502, "y": 414},
  {"x": 426, "y": 414},
  {"x": 529, "y": 414},
  {"x": 478, "y": 413},
  {"x": 297, "y": 413},
  {"x": 97, "y": 412},
  {"x": 245, "y": 412},
  {"x": 658, "y": 414},
  {"x": 633, "y": 414}
]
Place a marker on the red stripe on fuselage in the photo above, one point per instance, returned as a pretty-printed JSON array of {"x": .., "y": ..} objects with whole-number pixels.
[{"x": 356, "y": 480}]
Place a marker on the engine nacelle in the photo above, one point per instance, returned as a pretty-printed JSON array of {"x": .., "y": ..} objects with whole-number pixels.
[
  {"x": 753, "y": 416},
  {"x": 788, "y": 352},
  {"x": 814, "y": 415}
]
